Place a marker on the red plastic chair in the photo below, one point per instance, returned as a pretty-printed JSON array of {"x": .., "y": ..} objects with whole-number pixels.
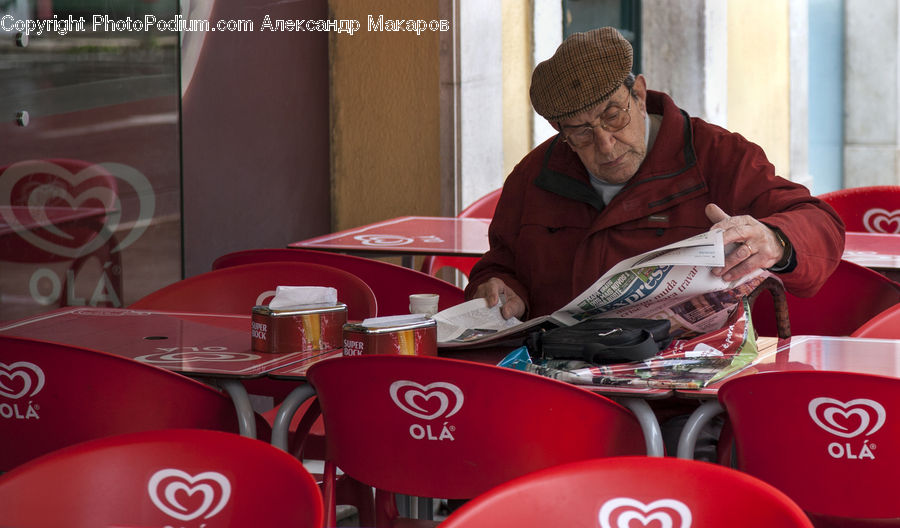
[
  {"x": 875, "y": 209},
  {"x": 632, "y": 491},
  {"x": 239, "y": 288},
  {"x": 55, "y": 395},
  {"x": 435, "y": 427},
  {"x": 826, "y": 439},
  {"x": 66, "y": 183},
  {"x": 482, "y": 208},
  {"x": 391, "y": 284},
  {"x": 885, "y": 325},
  {"x": 848, "y": 299},
  {"x": 236, "y": 289},
  {"x": 162, "y": 478}
]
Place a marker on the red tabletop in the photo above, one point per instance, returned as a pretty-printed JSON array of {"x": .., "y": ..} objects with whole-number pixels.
[
  {"x": 843, "y": 354},
  {"x": 873, "y": 250},
  {"x": 297, "y": 371},
  {"x": 214, "y": 345},
  {"x": 430, "y": 235}
]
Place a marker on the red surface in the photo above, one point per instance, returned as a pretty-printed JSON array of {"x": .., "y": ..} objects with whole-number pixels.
[
  {"x": 391, "y": 284},
  {"x": 826, "y": 439},
  {"x": 437, "y": 427},
  {"x": 802, "y": 353},
  {"x": 163, "y": 478},
  {"x": 632, "y": 491},
  {"x": 851, "y": 296},
  {"x": 435, "y": 235},
  {"x": 237, "y": 289},
  {"x": 873, "y": 250},
  {"x": 482, "y": 208},
  {"x": 875, "y": 208},
  {"x": 53, "y": 396},
  {"x": 190, "y": 343}
]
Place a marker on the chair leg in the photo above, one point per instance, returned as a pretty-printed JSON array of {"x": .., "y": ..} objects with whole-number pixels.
[
  {"x": 355, "y": 493},
  {"x": 328, "y": 495},
  {"x": 385, "y": 509}
]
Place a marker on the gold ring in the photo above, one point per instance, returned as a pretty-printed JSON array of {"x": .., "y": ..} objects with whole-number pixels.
[{"x": 748, "y": 247}]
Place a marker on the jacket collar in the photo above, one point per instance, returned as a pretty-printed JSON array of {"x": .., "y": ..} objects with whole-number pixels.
[{"x": 673, "y": 154}]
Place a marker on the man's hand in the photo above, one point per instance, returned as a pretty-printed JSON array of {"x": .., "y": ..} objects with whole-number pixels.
[
  {"x": 759, "y": 248},
  {"x": 493, "y": 290}
]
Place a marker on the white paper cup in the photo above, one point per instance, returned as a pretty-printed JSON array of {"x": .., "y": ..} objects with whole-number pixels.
[{"x": 424, "y": 303}]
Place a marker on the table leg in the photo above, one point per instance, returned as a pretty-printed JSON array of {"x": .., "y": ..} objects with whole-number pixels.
[
  {"x": 282, "y": 424},
  {"x": 649, "y": 424},
  {"x": 246, "y": 416},
  {"x": 408, "y": 261},
  {"x": 695, "y": 423}
]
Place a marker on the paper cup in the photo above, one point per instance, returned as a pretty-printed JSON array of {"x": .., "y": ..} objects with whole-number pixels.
[{"x": 424, "y": 303}]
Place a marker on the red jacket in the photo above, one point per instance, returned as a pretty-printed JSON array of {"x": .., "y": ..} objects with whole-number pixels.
[{"x": 552, "y": 237}]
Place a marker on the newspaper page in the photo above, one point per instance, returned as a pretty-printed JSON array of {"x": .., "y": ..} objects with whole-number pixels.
[{"x": 673, "y": 282}]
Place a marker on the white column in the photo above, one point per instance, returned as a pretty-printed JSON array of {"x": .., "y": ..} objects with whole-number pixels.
[
  {"x": 799, "y": 98},
  {"x": 547, "y": 37},
  {"x": 871, "y": 93},
  {"x": 481, "y": 99}
]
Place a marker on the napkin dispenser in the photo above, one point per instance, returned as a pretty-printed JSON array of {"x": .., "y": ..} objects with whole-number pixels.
[
  {"x": 412, "y": 335},
  {"x": 297, "y": 328}
]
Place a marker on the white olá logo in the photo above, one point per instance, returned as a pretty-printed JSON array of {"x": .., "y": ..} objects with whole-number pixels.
[
  {"x": 168, "y": 489},
  {"x": 861, "y": 416},
  {"x": 407, "y": 393},
  {"x": 669, "y": 513},
  {"x": 76, "y": 195},
  {"x": 870, "y": 414},
  {"x": 882, "y": 221},
  {"x": 215, "y": 354},
  {"x": 427, "y": 402},
  {"x": 20, "y": 379}
]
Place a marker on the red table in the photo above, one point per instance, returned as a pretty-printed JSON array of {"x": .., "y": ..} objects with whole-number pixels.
[
  {"x": 878, "y": 251},
  {"x": 842, "y": 354},
  {"x": 408, "y": 236},
  {"x": 215, "y": 346}
]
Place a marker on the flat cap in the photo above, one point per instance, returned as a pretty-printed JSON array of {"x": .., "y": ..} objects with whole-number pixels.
[{"x": 585, "y": 70}]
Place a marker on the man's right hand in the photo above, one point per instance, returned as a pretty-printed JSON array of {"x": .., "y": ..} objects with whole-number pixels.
[{"x": 493, "y": 289}]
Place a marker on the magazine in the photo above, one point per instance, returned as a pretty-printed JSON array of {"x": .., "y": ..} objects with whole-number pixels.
[{"x": 674, "y": 282}]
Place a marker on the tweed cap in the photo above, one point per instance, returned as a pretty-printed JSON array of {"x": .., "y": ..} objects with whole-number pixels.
[{"x": 585, "y": 70}]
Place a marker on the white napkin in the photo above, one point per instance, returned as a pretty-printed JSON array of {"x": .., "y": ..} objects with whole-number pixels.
[{"x": 289, "y": 296}]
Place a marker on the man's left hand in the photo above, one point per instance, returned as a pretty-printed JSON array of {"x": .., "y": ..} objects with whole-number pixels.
[{"x": 758, "y": 246}]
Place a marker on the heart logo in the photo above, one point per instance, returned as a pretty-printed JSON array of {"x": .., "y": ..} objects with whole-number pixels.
[
  {"x": 882, "y": 221},
  {"x": 837, "y": 417},
  {"x": 427, "y": 401},
  {"x": 20, "y": 379},
  {"x": 384, "y": 240},
  {"x": 186, "y": 497},
  {"x": 47, "y": 184},
  {"x": 622, "y": 512},
  {"x": 168, "y": 358}
]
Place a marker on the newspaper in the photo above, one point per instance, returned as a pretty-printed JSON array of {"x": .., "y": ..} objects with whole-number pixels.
[
  {"x": 685, "y": 364},
  {"x": 674, "y": 282}
]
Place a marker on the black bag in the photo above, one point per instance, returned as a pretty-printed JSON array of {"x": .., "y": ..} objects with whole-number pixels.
[{"x": 602, "y": 340}]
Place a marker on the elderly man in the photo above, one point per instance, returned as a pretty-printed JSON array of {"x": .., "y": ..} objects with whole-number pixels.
[{"x": 628, "y": 172}]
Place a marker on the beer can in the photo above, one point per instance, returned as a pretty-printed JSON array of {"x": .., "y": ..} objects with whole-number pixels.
[
  {"x": 298, "y": 328},
  {"x": 412, "y": 339}
]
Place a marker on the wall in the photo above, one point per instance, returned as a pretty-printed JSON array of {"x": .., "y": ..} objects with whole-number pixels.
[
  {"x": 517, "y": 67},
  {"x": 385, "y": 115},
  {"x": 255, "y": 136},
  {"x": 758, "y": 76}
]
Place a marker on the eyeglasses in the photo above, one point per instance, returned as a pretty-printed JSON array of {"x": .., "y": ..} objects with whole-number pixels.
[{"x": 615, "y": 118}]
